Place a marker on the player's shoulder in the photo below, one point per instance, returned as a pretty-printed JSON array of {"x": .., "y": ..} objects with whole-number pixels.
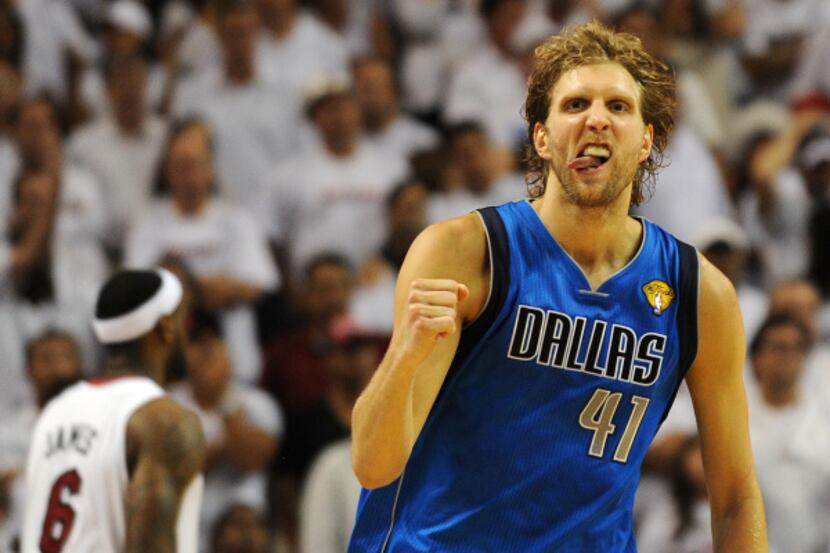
[
  {"x": 456, "y": 240},
  {"x": 169, "y": 431},
  {"x": 716, "y": 291}
]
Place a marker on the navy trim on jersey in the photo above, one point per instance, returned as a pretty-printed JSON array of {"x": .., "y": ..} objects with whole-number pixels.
[
  {"x": 686, "y": 314},
  {"x": 499, "y": 254}
]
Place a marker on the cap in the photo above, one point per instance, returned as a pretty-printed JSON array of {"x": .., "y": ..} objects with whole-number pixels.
[
  {"x": 325, "y": 86},
  {"x": 721, "y": 230},
  {"x": 130, "y": 15}
]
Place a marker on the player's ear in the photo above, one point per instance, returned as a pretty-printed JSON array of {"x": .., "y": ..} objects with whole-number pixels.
[
  {"x": 541, "y": 141},
  {"x": 648, "y": 141},
  {"x": 166, "y": 329}
]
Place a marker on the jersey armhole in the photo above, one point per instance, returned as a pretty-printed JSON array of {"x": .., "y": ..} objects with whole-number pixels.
[
  {"x": 499, "y": 260},
  {"x": 687, "y": 315}
]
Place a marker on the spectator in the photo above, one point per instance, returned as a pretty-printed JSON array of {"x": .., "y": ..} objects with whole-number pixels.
[
  {"x": 57, "y": 262},
  {"x": 775, "y": 212},
  {"x": 373, "y": 305},
  {"x": 53, "y": 362},
  {"x": 10, "y": 96},
  {"x": 383, "y": 121},
  {"x": 122, "y": 147},
  {"x": 799, "y": 298},
  {"x": 789, "y": 440},
  {"x": 295, "y": 47},
  {"x": 682, "y": 525},
  {"x": 220, "y": 242},
  {"x": 331, "y": 198},
  {"x": 350, "y": 364},
  {"x": 11, "y": 36},
  {"x": 242, "y": 426},
  {"x": 726, "y": 245},
  {"x": 52, "y": 35},
  {"x": 253, "y": 124},
  {"x": 293, "y": 372},
  {"x": 489, "y": 87},
  {"x": 358, "y": 24},
  {"x": 241, "y": 529},
  {"x": 328, "y": 504},
  {"x": 127, "y": 33},
  {"x": 773, "y": 42},
  {"x": 478, "y": 182}
]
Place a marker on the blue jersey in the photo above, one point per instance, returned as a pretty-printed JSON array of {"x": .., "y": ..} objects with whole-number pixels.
[{"x": 535, "y": 441}]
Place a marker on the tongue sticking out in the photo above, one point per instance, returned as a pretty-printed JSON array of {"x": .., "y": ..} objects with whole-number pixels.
[
  {"x": 584, "y": 162},
  {"x": 593, "y": 155}
]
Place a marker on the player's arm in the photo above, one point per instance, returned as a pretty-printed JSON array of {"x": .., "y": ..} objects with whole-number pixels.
[
  {"x": 443, "y": 283},
  {"x": 166, "y": 450},
  {"x": 716, "y": 384}
]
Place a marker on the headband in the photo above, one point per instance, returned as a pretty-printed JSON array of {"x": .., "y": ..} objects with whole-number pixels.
[{"x": 143, "y": 318}]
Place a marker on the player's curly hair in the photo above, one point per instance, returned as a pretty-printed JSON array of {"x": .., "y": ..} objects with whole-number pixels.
[{"x": 591, "y": 44}]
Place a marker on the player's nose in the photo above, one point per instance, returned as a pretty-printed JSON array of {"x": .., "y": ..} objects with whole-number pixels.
[{"x": 597, "y": 116}]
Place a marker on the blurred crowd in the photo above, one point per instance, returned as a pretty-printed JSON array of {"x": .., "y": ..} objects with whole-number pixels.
[{"x": 281, "y": 155}]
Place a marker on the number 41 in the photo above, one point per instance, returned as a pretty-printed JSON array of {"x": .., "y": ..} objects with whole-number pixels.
[{"x": 598, "y": 415}]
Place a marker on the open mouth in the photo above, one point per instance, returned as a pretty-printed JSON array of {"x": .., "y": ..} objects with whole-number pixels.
[{"x": 591, "y": 158}]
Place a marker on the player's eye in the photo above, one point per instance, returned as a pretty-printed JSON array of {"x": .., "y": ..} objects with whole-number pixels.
[
  {"x": 618, "y": 106},
  {"x": 575, "y": 104}
]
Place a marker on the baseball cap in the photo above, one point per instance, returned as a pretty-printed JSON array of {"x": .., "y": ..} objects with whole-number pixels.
[
  {"x": 325, "y": 86},
  {"x": 722, "y": 230},
  {"x": 131, "y": 16}
]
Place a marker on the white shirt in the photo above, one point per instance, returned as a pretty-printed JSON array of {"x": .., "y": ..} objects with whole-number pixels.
[
  {"x": 372, "y": 306},
  {"x": 223, "y": 239},
  {"x": 754, "y": 305},
  {"x": 78, "y": 455},
  {"x": 93, "y": 89},
  {"x": 813, "y": 72},
  {"x": 8, "y": 170},
  {"x": 688, "y": 192},
  {"x": 328, "y": 505},
  {"x": 405, "y": 137},
  {"x": 253, "y": 126},
  {"x": 445, "y": 205},
  {"x": 50, "y": 28},
  {"x": 78, "y": 266},
  {"x": 491, "y": 90},
  {"x": 225, "y": 483},
  {"x": 791, "y": 447},
  {"x": 15, "y": 437},
  {"x": 322, "y": 203},
  {"x": 124, "y": 165},
  {"x": 310, "y": 50},
  {"x": 781, "y": 236},
  {"x": 769, "y": 20}
]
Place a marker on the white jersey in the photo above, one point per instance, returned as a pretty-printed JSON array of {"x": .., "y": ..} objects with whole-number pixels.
[{"x": 77, "y": 476}]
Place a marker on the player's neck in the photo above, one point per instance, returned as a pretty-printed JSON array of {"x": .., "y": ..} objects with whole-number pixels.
[
  {"x": 129, "y": 365},
  {"x": 601, "y": 240}
]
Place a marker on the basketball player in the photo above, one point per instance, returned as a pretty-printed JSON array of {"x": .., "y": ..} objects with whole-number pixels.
[
  {"x": 538, "y": 345},
  {"x": 115, "y": 464}
]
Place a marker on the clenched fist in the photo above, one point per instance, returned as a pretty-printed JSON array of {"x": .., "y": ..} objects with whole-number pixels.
[{"x": 431, "y": 314}]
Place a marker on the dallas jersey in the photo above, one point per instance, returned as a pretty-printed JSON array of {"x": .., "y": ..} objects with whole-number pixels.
[
  {"x": 535, "y": 441},
  {"x": 76, "y": 474}
]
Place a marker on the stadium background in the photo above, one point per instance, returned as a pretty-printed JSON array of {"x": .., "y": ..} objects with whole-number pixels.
[{"x": 281, "y": 155}]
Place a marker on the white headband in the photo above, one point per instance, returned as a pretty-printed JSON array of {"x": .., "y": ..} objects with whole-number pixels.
[{"x": 143, "y": 318}]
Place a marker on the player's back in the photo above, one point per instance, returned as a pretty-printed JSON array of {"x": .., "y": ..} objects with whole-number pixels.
[{"x": 77, "y": 474}]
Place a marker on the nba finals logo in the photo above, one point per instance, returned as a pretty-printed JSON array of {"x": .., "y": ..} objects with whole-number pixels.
[{"x": 659, "y": 295}]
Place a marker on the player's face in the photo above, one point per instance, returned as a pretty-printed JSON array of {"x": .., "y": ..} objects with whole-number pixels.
[
  {"x": 190, "y": 170},
  {"x": 780, "y": 358},
  {"x": 594, "y": 137}
]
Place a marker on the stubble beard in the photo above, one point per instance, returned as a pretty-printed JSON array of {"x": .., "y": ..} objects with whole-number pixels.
[{"x": 582, "y": 194}]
